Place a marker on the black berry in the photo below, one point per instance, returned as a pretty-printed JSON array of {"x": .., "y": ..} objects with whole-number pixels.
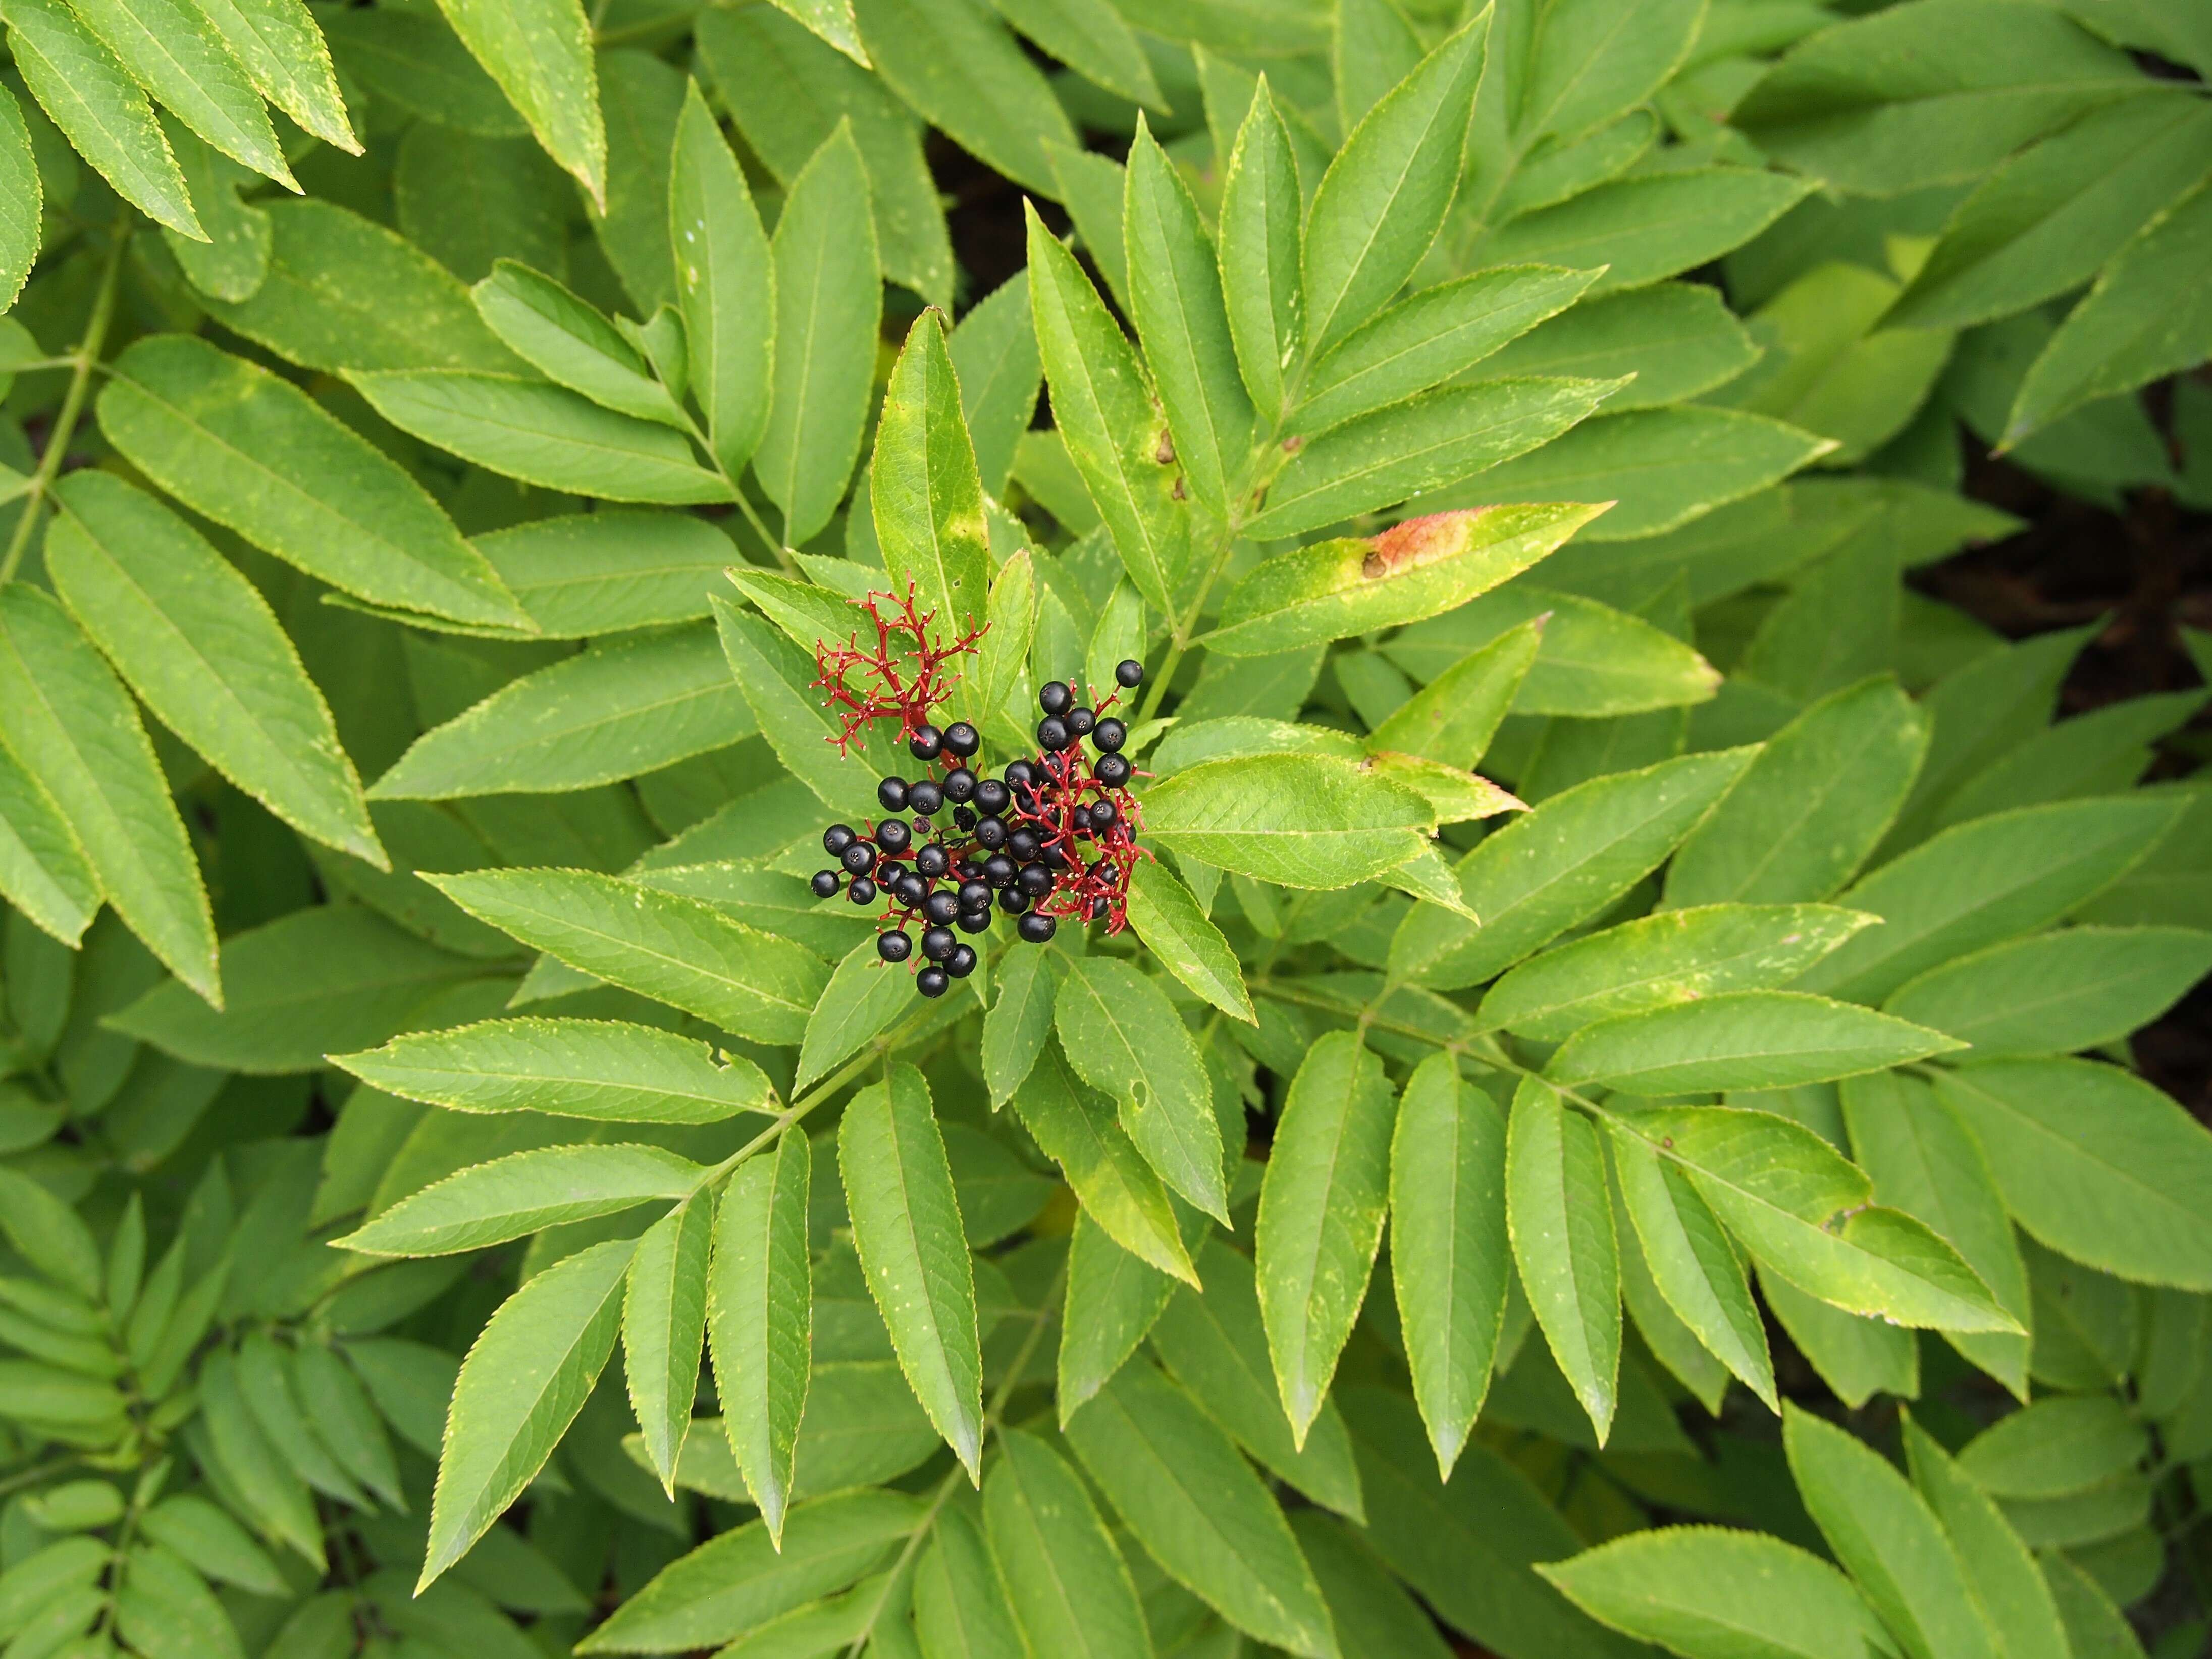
[
  {"x": 931, "y": 983},
  {"x": 942, "y": 907},
  {"x": 962, "y": 962},
  {"x": 836, "y": 838},
  {"x": 1113, "y": 770},
  {"x": 974, "y": 921},
  {"x": 1036, "y": 928},
  {"x": 969, "y": 868},
  {"x": 826, "y": 884},
  {"x": 963, "y": 818},
  {"x": 992, "y": 832},
  {"x": 925, "y": 797},
  {"x": 974, "y": 895},
  {"x": 862, "y": 891},
  {"x": 959, "y": 784},
  {"x": 1013, "y": 900},
  {"x": 1101, "y": 816},
  {"x": 963, "y": 740},
  {"x": 1036, "y": 880},
  {"x": 893, "y": 835},
  {"x": 1000, "y": 870},
  {"x": 937, "y": 943},
  {"x": 912, "y": 891},
  {"x": 926, "y": 743},
  {"x": 892, "y": 791},
  {"x": 1055, "y": 697},
  {"x": 1080, "y": 720},
  {"x": 1129, "y": 674},
  {"x": 894, "y": 947},
  {"x": 1053, "y": 733},
  {"x": 1023, "y": 844},
  {"x": 992, "y": 797},
  {"x": 1108, "y": 734},
  {"x": 859, "y": 857},
  {"x": 933, "y": 861},
  {"x": 1019, "y": 773}
]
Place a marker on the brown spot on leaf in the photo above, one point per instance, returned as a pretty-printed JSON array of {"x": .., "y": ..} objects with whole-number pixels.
[
  {"x": 1294, "y": 443},
  {"x": 1165, "y": 453},
  {"x": 1419, "y": 541},
  {"x": 1181, "y": 492}
]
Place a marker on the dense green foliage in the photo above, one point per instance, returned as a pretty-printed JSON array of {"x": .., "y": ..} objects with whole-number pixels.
[{"x": 1702, "y": 1197}]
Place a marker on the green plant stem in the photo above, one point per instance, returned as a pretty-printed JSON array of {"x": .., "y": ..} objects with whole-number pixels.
[
  {"x": 993, "y": 1415},
  {"x": 64, "y": 428}
]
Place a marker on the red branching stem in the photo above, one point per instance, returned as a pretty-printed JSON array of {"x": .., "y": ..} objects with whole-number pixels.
[{"x": 902, "y": 676}]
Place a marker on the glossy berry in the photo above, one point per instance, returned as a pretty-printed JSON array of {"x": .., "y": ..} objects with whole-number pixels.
[
  {"x": 926, "y": 743},
  {"x": 894, "y": 947},
  {"x": 826, "y": 884},
  {"x": 962, "y": 962},
  {"x": 1102, "y": 815},
  {"x": 1036, "y": 880},
  {"x": 974, "y": 921},
  {"x": 931, "y": 983},
  {"x": 1055, "y": 698},
  {"x": 1113, "y": 770},
  {"x": 959, "y": 784},
  {"x": 1108, "y": 734},
  {"x": 894, "y": 836},
  {"x": 975, "y": 895},
  {"x": 892, "y": 793},
  {"x": 937, "y": 943},
  {"x": 1053, "y": 733},
  {"x": 1023, "y": 844},
  {"x": 963, "y": 740},
  {"x": 1036, "y": 928},
  {"x": 992, "y": 797},
  {"x": 1080, "y": 720},
  {"x": 992, "y": 833},
  {"x": 1013, "y": 900},
  {"x": 1000, "y": 870},
  {"x": 913, "y": 892},
  {"x": 926, "y": 798},
  {"x": 933, "y": 861},
  {"x": 887, "y": 875},
  {"x": 862, "y": 891},
  {"x": 859, "y": 857},
  {"x": 1129, "y": 674},
  {"x": 1054, "y": 859},
  {"x": 1020, "y": 773},
  {"x": 836, "y": 838},
  {"x": 969, "y": 868},
  {"x": 942, "y": 907}
]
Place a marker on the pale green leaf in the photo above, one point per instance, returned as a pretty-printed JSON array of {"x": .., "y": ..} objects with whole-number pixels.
[
  {"x": 1124, "y": 1037},
  {"x": 1560, "y": 1220},
  {"x": 1566, "y": 861},
  {"x": 540, "y": 53},
  {"x": 906, "y": 1225},
  {"x": 760, "y": 1306},
  {"x": 256, "y": 453},
  {"x": 524, "y": 1379},
  {"x": 665, "y": 1327},
  {"x": 828, "y": 302},
  {"x": 1321, "y": 1216},
  {"x": 1451, "y": 1259},
  {"x": 1308, "y": 821},
  {"x": 1118, "y": 1190},
  {"x": 522, "y": 1193},
  {"x": 71, "y": 725},
  {"x": 1178, "y": 1482},
  {"x": 926, "y": 494},
  {"x": 604, "y": 1069},
  {"x": 677, "y": 950},
  {"x": 1350, "y": 584}
]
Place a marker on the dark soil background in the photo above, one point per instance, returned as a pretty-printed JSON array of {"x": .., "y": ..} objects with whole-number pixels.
[{"x": 2149, "y": 568}]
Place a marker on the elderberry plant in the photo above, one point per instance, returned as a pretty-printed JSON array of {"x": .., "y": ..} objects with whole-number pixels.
[{"x": 1558, "y": 1073}]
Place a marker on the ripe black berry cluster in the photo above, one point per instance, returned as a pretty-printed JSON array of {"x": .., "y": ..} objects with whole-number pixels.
[{"x": 1053, "y": 837}]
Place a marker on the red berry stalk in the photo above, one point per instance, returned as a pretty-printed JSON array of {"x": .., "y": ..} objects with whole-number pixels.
[{"x": 902, "y": 676}]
